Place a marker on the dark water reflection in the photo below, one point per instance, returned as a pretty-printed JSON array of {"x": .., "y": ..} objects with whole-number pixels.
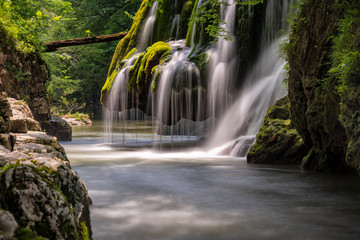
[{"x": 142, "y": 194}]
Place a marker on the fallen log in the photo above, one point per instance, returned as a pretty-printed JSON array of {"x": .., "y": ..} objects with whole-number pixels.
[{"x": 54, "y": 46}]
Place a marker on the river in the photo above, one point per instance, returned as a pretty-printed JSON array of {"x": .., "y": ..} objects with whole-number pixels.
[{"x": 141, "y": 194}]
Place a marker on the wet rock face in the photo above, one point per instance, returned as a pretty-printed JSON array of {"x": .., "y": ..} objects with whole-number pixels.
[
  {"x": 277, "y": 142},
  {"x": 39, "y": 188}
]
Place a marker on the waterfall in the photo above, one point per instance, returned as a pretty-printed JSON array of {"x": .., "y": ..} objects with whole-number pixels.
[
  {"x": 175, "y": 101},
  {"x": 262, "y": 88},
  {"x": 223, "y": 64},
  {"x": 175, "y": 26},
  {"x": 193, "y": 27},
  {"x": 118, "y": 102},
  {"x": 239, "y": 124},
  {"x": 180, "y": 103},
  {"x": 148, "y": 28}
]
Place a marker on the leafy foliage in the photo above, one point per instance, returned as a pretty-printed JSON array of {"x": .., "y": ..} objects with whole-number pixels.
[
  {"x": 30, "y": 21},
  {"x": 208, "y": 15},
  {"x": 79, "y": 72},
  {"x": 346, "y": 55}
]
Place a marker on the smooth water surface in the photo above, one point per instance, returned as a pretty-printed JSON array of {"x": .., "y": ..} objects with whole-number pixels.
[{"x": 142, "y": 194}]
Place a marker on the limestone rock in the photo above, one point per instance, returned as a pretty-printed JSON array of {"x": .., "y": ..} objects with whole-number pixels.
[
  {"x": 58, "y": 127},
  {"x": 18, "y": 125},
  {"x": 22, "y": 119},
  {"x": 5, "y": 113},
  {"x": 38, "y": 186},
  {"x": 79, "y": 121},
  {"x": 8, "y": 225},
  {"x": 8, "y": 141}
]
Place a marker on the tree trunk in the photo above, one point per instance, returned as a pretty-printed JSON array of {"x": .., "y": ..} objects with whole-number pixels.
[{"x": 53, "y": 46}]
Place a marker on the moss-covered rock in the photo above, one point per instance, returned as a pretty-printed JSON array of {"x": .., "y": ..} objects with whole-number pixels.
[
  {"x": 322, "y": 98},
  {"x": 184, "y": 18},
  {"x": 141, "y": 73},
  {"x": 277, "y": 142},
  {"x": 168, "y": 12},
  {"x": 39, "y": 188},
  {"x": 309, "y": 58}
]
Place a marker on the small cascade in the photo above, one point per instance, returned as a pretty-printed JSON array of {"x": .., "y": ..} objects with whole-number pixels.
[
  {"x": 276, "y": 20},
  {"x": 148, "y": 28},
  {"x": 263, "y": 87},
  {"x": 175, "y": 26},
  {"x": 116, "y": 114},
  {"x": 223, "y": 65},
  {"x": 178, "y": 86},
  {"x": 193, "y": 27}
]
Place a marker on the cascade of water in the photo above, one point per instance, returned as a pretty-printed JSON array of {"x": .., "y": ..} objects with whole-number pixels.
[
  {"x": 262, "y": 87},
  {"x": 178, "y": 83},
  {"x": 175, "y": 26},
  {"x": 223, "y": 64},
  {"x": 276, "y": 20},
  {"x": 118, "y": 101},
  {"x": 148, "y": 28},
  {"x": 179, "y": 98}
]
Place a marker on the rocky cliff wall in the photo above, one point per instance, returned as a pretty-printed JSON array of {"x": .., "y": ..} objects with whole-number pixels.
[
  {"x": 23, "y": 76},
  {"x": 314, "y": 88}
]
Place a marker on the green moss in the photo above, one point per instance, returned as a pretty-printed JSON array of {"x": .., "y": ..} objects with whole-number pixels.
[
  {"x": 277, "y": 142},
  {"x": 156, "y": 79},
  {"x": 184, "y": 18},
  {"x": 141, "y": 72},
  {"x": 201, "y": 60},
  {"x": 26, "y": 234},
  {"x": 151, "y": 59},
  {"x": 84, "y": 231},
  {"x": 165, "y": 14},
  {"x": 134, "y": 71},
  {"x": 107, "y": 86},
  {"x": 131, "y": 53}
]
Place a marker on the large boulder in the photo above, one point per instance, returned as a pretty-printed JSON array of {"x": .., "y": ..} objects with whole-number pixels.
[
  {"x": 278, "y": 142},
  {"x": 58, "y": 127},
  {"x": 41, "y": 191}
]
